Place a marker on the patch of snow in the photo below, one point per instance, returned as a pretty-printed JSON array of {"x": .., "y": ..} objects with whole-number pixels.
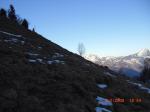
[
  {"x": 92, "y": 57},
  {"x": 49, "y": 62},
  {"x": 100, "y": 109},
  {"x": 62, "y": 62},
  {"x": 45, "y": 57},
  {"x": 145, "y": 88},
  {"x": 102, "y": 86},
  {"x": 10, "y": 34},
  {"x": 32, "y": 61},
  {"x": 109, "y": 74},
  {"x": 55, "y": 61},
  {"x": 22, "y": 42},
  {"x": 58, "y": 61},
  {"x": 11, "y": 40},
  {"x": 140, "y": 86},
  {"x": 32, "y": 54},
  {"x": 14, "y": 40},
  {"x": 39, "y": 47},
  {"x": 103, "y": 101},
  {"x": 137, "y": 84},
  {"x": 40, "y": 60},
  {"x": 7, "y": 41},
  {"x": 57, "y": 55}
]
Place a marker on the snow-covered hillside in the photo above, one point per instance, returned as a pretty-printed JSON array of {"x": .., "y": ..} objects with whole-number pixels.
[{"x": 130, "y": 65}]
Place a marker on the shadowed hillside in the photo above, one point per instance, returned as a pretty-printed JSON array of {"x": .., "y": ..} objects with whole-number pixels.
[{"x": 37, "y": 75}]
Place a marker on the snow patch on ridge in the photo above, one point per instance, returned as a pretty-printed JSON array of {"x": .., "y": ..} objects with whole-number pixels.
[
  {"x": 102, "y": 86},
  {"x": 10, "y": 34},
  {"x": 140, "y": 86},
  {"x": 100, "y": 109},
  {"x": 103, "y": 101}
]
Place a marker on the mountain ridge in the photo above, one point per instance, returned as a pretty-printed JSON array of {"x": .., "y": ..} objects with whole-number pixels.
[
  {"x": 130, "y": 65},
  {"x": 143, "y": 53}
]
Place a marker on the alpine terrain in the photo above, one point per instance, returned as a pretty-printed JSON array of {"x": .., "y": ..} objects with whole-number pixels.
[
  {"x": 37, "y": 75},
  {"x": 131, "y": 65}
]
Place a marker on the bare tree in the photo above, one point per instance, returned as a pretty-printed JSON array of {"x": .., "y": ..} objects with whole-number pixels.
[{"x": 81, "y": 49}]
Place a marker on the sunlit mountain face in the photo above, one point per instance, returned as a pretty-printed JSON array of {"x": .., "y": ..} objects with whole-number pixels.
[{"x": 130, "y": 65}]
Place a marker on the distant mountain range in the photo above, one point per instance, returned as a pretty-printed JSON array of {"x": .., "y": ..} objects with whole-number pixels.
[{"x": 130, "y": 65}]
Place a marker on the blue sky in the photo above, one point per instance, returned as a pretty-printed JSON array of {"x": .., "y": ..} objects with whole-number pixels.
[{"x": 106, "y": 27}]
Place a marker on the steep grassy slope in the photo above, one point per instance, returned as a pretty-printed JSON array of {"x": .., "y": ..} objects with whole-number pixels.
[{"x": 37, "y": 75}]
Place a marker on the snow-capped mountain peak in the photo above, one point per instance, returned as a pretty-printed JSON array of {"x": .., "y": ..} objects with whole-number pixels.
[
  {"x": 130, "y": 65},
  {"x": 92, "y": 57},
  {"x": 143, "y": 53}
]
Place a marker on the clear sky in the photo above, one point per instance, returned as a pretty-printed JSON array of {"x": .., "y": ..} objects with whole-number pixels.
[{"x": 106, "y": 27}]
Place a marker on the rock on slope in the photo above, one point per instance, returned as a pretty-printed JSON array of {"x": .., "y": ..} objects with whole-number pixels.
[{"x": 37, "y": 75}]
